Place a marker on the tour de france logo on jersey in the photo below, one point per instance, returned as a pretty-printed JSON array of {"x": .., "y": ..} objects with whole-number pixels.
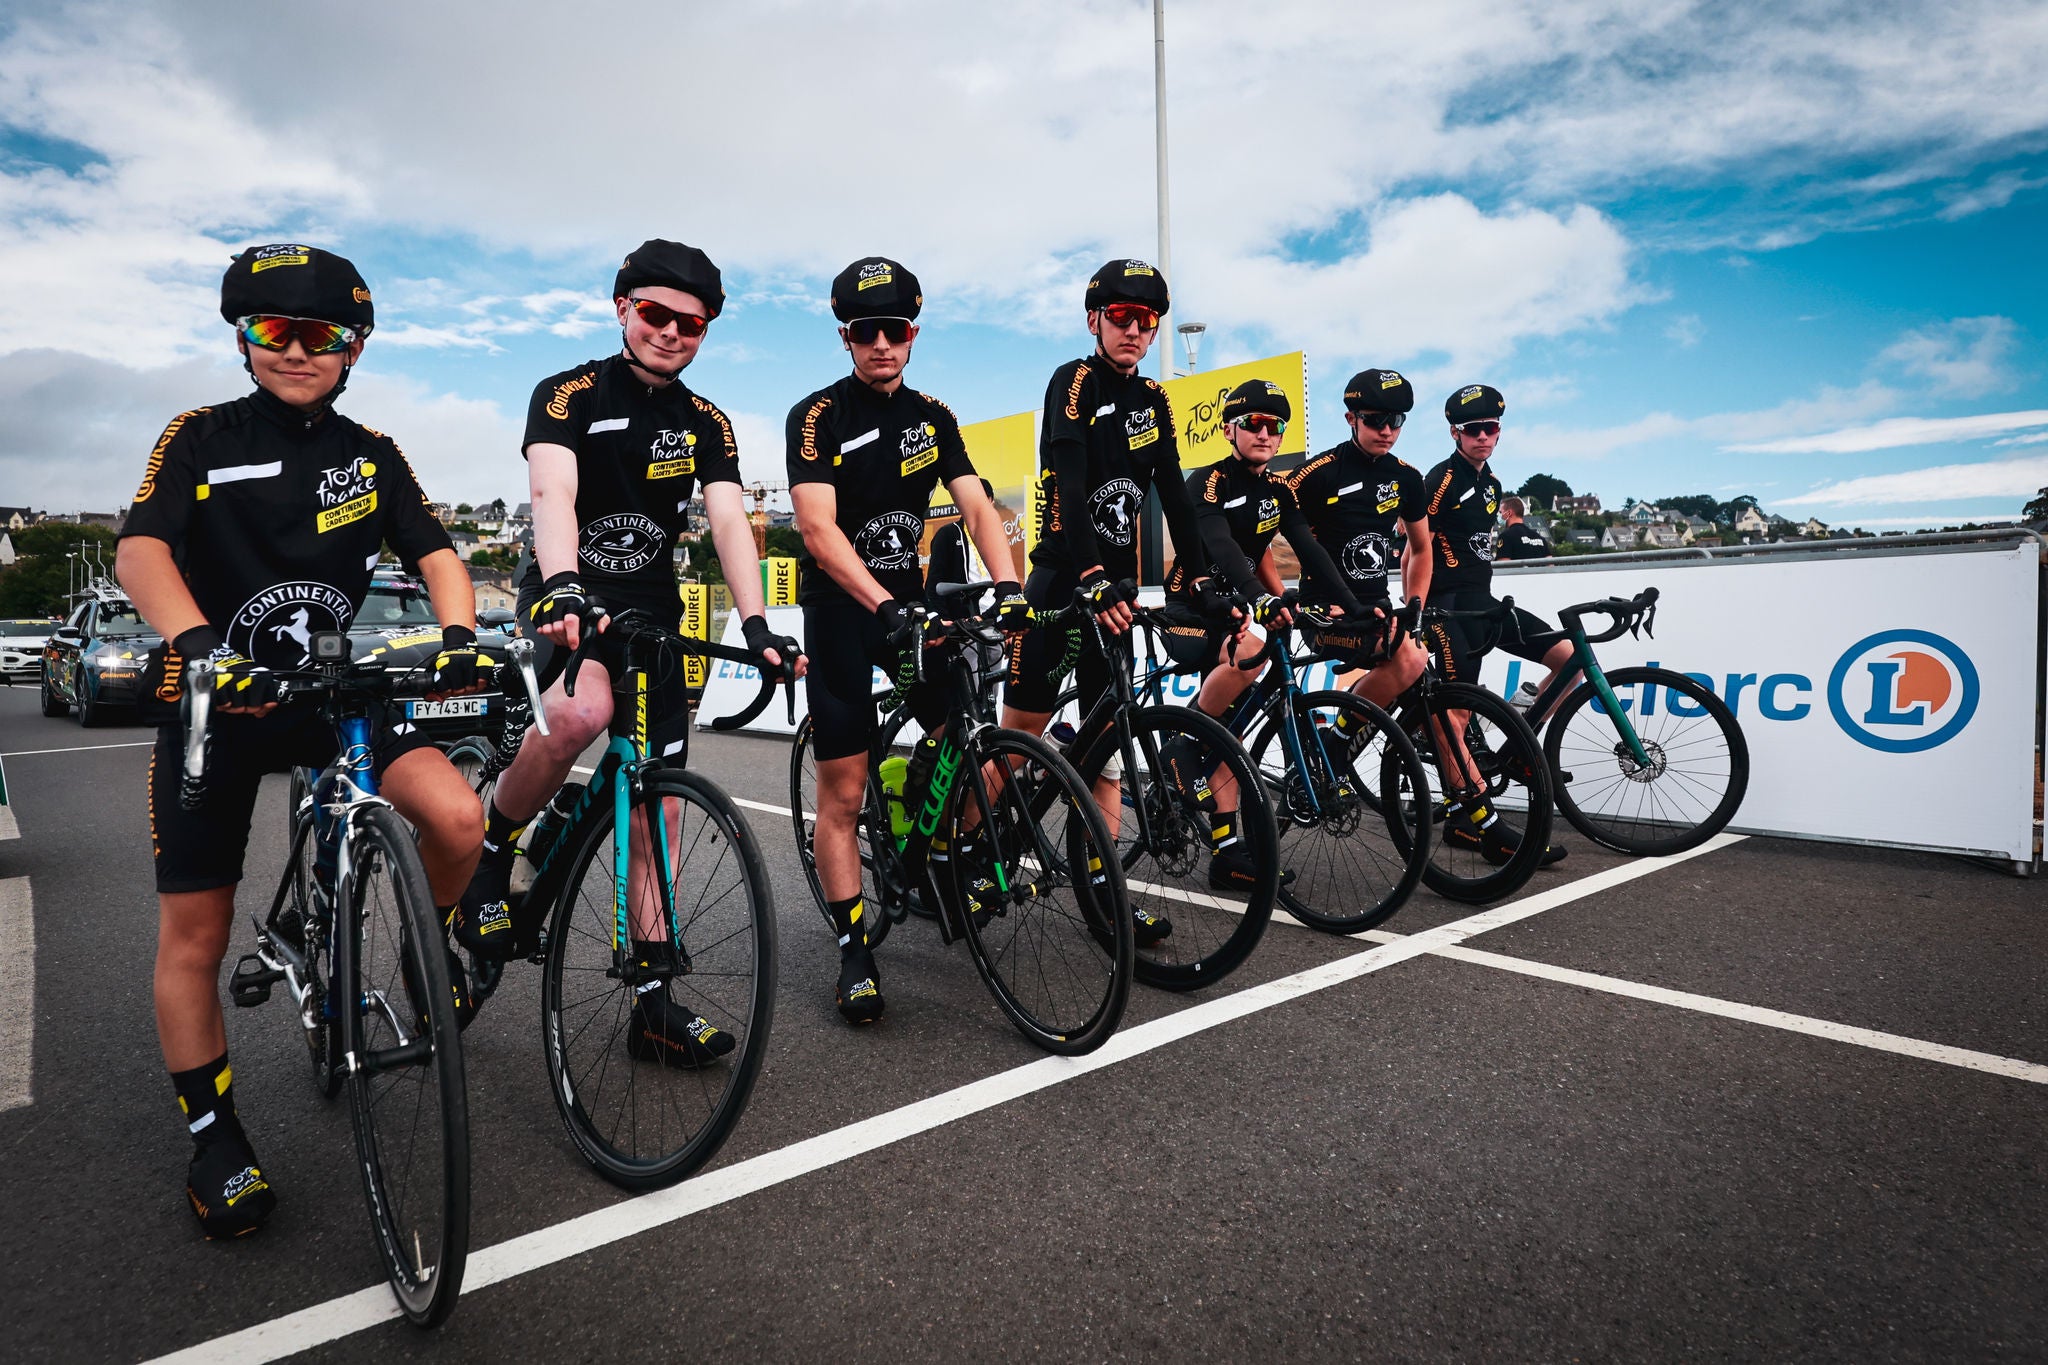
[
  {"x": 622, "y": 542},
  {"x": 1388, "y": 497},
  {"x": 275, "y": 627},
  {"x": 672, "y": 453},
  {"x": 1269, "y": 515},
  {"x": 889, "y": 541},
  {"x": 1482, "y": 545},
  {"x": 1365, "y": 556},
  {"x": 920, "y": 447},
  {"x": 347, "y": 493},
  {"x": 1113, "y": 508},
  {"x": 1903, "y": 691},
  {"x": 1141, "y": 428}
]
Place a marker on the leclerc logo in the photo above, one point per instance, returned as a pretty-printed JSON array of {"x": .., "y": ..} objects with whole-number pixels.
[{"x": 1903, "y": 691}]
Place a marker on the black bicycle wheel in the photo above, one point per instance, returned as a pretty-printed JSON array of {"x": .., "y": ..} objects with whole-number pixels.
[
  {"x": 1351, "y": 800},
  {"x": 470, "y": 755},
  {"x": 1052, "y": 937},
  {"x": 645, "y": 1106},
  {"x": 880, "y": 873},
  {"x": 406, "y": 1091},
  {"x": 1697, "y": 774},
  {"x": 1162, "y": 830},
  {"x": 314, "y": 927},
  {"x": 1502, "y": 770}
]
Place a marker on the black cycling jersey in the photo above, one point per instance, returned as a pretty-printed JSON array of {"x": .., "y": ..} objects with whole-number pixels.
[
  {"x": 1519, "y": 542},
  {"x": 641, "y": 452},
  {"x": 1107, "y": 439},
  {"x": 883, "y": 453},
  {"x": 1355, "y": 503},
  {"x": 276, "y": 518},
  {"x": 1238, "y": 510},
  {"x": 1463, "y": 502}
]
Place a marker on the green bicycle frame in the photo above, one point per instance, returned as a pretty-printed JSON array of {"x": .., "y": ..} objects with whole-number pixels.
[{"x": 1582, "y": 656}]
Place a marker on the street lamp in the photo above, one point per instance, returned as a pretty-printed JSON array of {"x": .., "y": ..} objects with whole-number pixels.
[{"x": 1191, "y": 337}]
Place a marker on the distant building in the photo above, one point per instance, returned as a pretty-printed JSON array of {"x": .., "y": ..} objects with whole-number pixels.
[
  {"x": 1622, "y": 537},
  {"x": 1664, "y": 537},
  {"x": 1585, "y": 538},
  {"x": 1814, "y": 526},
  {"x": 1752, "y": 522},
  {"x": 17, "y": 518},
  {"x": 1589, "y": 504},
  {"x": 1645, "y": 514},
  {"x": 112, "y": 521}
]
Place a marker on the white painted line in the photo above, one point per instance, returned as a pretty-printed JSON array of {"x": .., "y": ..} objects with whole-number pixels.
[
  {"x": 325, "y": 1322},
  {"x": 1990, "y": 1062},
  {"x": 762, "y": 806},
  {"x": 17, "y": 993},
  {"x": 79, "y": 749}
]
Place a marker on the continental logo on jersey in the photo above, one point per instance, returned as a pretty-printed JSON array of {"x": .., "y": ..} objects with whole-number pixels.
[
  {"x": 1141, "y": 428},
  {"x": 347, "y": 513},
  {"x": 558, "y": 406},
  {"x": 920, "y": 448},
  {"x": 1074, "y": 393},
  {"x": 673, "y": 453},
  {"x": 711, "y": 410},
  {"x": 272, "y": 256},
  {"x": 808, "y": 446},
  {"x": 156, "y": 456},
  {"x": 1212, "y": 485}
]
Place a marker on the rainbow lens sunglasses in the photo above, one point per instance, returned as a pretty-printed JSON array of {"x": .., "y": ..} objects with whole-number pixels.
[
  {"x": 274, "y": 333},
  {"x": 1261, "y": 424},
  {"x": 659, "y": 316},
  {"x": 1124, "y": 314},
  {"x": 865, "y": 330}
]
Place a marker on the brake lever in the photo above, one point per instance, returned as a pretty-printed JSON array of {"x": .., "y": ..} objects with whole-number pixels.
[
  {"x": 199, "y": 698},
  {"x": 521, "y": 652}
]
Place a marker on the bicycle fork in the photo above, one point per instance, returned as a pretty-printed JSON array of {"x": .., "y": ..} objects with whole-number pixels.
[{"x": 1615, "y": 711}]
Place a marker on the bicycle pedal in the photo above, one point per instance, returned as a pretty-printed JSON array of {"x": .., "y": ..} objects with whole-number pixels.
[
  {"x": 1562, "y": 776},
  {"x": 251, "y": 983}
]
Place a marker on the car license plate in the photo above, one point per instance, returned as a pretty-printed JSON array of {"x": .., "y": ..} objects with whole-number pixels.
[{"x": 454, "y": 706}]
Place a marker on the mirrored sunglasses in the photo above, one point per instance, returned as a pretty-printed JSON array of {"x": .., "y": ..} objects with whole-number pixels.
[
  {"x": 1261, "y": 424},
  {"x": 866, "y": 330},
  {"x": 1124, "y": 314},
  {"x": 1478, "y": 428},
  {"x": 1381, "y": 421},
  {"x": 659, "y": 316},
  {"x": 274, "y": 333}
]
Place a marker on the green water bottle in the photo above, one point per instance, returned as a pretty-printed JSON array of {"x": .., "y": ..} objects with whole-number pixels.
[{"x": 893, "y": 769}]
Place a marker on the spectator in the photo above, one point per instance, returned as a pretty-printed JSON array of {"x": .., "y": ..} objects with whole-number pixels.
[{"x": 1517, "y": 539}]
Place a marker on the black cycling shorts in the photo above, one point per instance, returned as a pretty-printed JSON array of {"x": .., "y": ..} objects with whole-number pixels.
[
  {"x": 1194, "y": 640},
  {"x": 1458, "y": 646},
  {"x": 668, "y": 692},
  {"x": 1041, "y": 659},
  {"x": 846, "y": 644},
  {"x": 1353, "y": 642},
  {"x": 199, "y": 850}
]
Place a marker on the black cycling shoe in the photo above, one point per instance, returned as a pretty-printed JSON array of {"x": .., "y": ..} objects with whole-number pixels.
[
  {"x": 860, "y": 986},
  {"x": 660, "y": 1030},
  {"x": 1231, "y": 870},
  {"x": 1147, "y": 928},
  {"x": 483, "y": 917},
  {"x": 1496, "y": 842},
  {"x": 227, "y": 1189}
]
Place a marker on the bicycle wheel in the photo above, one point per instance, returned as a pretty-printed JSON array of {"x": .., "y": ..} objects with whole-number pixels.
[
  {"x": 1351, "y": 800},
  {"x": 1162, "y": 835},
  {"x": 643, "y": 1106},
  {"x": 1052, "y": 945},
  {"x": 1503, "y": 767},
  {"x": 469, "y": 755},
  {"x": 1697, "y": 773},
  {"x": 406, "y": 1091},
  {"x": 315, "y": 933},
  {"x": 878, "y": 875}
]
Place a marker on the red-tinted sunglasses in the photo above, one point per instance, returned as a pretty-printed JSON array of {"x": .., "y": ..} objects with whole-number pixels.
[
  {"x": 659, "y": 316},
  {"x": 865, "y": 330},
  {"x": 1478, "y": 428},
  {"x": 1124, "y": 314}
]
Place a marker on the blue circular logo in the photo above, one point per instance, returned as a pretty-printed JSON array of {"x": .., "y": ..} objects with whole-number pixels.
[{"x": 1903, "y": 691}]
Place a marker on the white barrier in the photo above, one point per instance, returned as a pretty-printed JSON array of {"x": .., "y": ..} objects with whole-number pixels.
[{"x": 1888, "y": 698}]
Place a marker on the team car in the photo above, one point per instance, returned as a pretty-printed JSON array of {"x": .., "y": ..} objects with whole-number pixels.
[
  {"x": 21, "y": 648},
  {"x": 94, "y": 660},
  {"x": 397, "y": 626}
]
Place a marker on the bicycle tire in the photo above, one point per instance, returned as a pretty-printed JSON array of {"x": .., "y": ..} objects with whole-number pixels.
[
  {"x": 469, "y": 756},
  {"x": 803, "y": 816},
  {"x": 1698, "y": 776},
  {"x": 1462, "y": 874},
  {"x": 660, "y": 1120},
  {"x": 323, "y": 1040},
  {"x": 1354, "y": 842},
  {"x": 396, "y": 954},
  {"x": 1165, "y": 870},
  {"x": 1048, "y": 965}
]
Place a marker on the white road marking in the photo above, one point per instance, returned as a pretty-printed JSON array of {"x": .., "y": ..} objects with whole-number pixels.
[
  {"x": 17, "y": 992},
  {"x": 337, "y": 1318},
  {"x": 764, "y": 806},
  {"x": 79, "y": 749}
]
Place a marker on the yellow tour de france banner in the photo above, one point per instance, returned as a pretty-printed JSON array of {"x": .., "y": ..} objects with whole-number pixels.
[
  {"x": 1005, "y": 452},
  {"x": 696, "y": 622},
  {"x": 778, "y": 581}
]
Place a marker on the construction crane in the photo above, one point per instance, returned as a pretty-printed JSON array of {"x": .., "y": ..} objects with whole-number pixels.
[{"x": 758, "y": 518}]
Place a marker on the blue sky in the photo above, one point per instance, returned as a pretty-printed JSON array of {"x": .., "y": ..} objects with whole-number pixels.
[{"x": 1786, "y": 249}]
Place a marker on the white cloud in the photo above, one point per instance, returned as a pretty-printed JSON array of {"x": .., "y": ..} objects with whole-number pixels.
[
  {"x": 1966, "y": 357},
  {"x": 1662, "y": 428},
  {"x": 1896, "y": 432},
  {"x": 1940, "y": 483},
  {"x": 1685, "y": 330},
  {"x": 2033, "y": 439}
]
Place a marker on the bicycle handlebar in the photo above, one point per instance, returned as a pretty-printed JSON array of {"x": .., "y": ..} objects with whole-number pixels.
[
  {"x": 1637, "y": 615},
  {"x": 637, "y": 623}
]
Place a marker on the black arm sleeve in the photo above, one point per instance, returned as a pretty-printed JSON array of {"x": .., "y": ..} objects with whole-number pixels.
[
  {"x": 1179, "y": 509},
  {"x": 1316, "y": 564},
  {"x": 1070, "y": 473},
  {"x": 1219, "y": 546}
]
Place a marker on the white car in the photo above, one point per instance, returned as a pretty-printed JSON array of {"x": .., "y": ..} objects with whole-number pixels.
[{"x": 21, "y": 648}]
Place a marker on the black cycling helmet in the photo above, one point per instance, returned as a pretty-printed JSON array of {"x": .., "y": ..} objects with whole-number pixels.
[
  {"x": 671, "y": 265},
  {"x": 289, "y": 280},
  {"x": 1258, "y": 395},
  {"x": 1127, "y": 282},
  {"x": 1475, "y": 403},
  {"x": 876, "y": 287},
  {"x": 1379, "y": 391}
]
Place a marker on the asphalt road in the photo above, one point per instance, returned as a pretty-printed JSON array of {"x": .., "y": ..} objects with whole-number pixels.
[{"x": 1776, "y": 1102}]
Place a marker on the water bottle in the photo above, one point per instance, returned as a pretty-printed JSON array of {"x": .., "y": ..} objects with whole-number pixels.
[
  {"x": 895, "y": 769},
  {"x": 1524, "y": 698},
  {"x": 539, "y": 837}
]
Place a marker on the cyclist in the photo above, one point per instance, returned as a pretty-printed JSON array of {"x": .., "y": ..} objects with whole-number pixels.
[
  {"x": 258, "y": 523},
  {"x": 1518, "y": 539},
  {"x": 1107, "y": 439},
  {"x": 1239, "y": 506},
  {"x": 614, "y": 448},
  {"x": 1463, "y": 498},
  {"x": 1355, "y": 495},
  {"x": 865, "y": 453}
]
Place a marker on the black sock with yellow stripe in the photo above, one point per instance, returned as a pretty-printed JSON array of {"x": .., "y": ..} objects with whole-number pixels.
[
  {"x": 849, "y": 919},
  {"x": 206, "y": 1095}
]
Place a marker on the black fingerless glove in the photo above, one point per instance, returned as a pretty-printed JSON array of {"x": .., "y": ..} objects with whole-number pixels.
[
  {"x": 1099, "y": 594},
  {"x": 561, "y": 597},
  {"x": 1214, "y": 598},
  {"x": 760, "y": 639},
  {"x": 458, "y": 667},
  {"x": 1013, "y": 608}
]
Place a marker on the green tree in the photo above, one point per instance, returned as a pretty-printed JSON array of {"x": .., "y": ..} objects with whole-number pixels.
[
  {"x": 2037, "y": 510},
  {"x": 786, "y": 542},
  {"x": 498, "y": 507},
  {"x": 1692, "y": 504},
  {"x": 41, "y": 574},
  {"x": 1735, "y": 507},
  {"x": 463, "y": 509},
  {"x": 1539, "y": 489}
]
